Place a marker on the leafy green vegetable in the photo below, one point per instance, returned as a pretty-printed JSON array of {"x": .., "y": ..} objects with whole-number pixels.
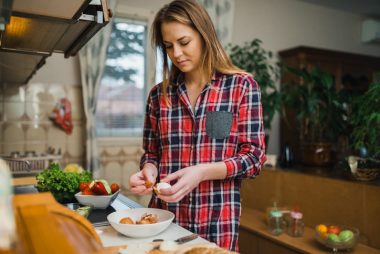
[{"x": 63, "y": 185}]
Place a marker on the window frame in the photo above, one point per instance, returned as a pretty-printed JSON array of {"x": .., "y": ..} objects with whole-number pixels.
[{"x": 145, "y": 17}]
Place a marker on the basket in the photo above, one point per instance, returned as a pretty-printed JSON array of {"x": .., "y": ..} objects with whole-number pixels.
[
  {"x": 32, "y": 165},
  {"x": 364, "y": 169}
]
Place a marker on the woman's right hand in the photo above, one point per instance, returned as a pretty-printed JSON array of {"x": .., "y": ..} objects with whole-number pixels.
[{"x": 141, "y": 183}]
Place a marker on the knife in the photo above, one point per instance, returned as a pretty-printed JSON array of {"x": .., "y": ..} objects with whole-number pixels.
[
  {"x": 186, "y": 239},
  {"x": 181, "y": 240}
]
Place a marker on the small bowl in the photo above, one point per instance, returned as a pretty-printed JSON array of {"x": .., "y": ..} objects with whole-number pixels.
[
  {"x": 96, "y": 201},
  {"x": 83, "y": 210},
  {"x": 338, "y": 241},
  {"x": 164, "y": 217}
]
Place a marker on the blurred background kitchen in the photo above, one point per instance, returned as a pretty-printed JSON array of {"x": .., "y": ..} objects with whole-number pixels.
[{"x": 106, "y": 88}]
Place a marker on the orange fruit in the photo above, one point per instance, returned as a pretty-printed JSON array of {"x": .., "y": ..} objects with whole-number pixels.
[{"x": 322, "y": 230}]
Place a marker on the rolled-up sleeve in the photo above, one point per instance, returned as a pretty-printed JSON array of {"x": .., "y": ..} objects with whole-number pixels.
[
  {"x": 250, "y": 157},
  {"x": 150, "y": 135}
]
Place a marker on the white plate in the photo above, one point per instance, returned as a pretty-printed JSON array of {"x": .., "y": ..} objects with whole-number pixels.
[
  {"x": 97, "y": 202},
  {"x": 140, "y": 230}
]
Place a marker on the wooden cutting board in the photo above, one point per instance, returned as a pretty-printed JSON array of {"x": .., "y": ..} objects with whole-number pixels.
[{"x": 45, "y": 226}]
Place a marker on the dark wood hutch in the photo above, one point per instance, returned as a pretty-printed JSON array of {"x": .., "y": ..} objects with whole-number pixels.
[{"x": 351, "y": 71}]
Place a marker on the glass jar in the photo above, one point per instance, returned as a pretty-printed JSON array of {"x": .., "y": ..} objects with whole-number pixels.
[
  {"x": 295, "y": 224},
  {"x": 276, "y": 223}
]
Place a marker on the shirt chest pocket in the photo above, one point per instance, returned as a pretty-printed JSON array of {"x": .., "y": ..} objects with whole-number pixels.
[{"x": 218, "y": 124}]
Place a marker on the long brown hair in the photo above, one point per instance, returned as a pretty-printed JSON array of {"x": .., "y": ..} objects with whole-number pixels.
[{"x": 189, "y": 12}]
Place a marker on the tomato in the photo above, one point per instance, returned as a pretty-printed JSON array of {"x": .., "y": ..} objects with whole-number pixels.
[
  {"x": 333, "y": 230},
  {"x": 114, "y": 187},
  {"x": 87, "y": 191},
  {"x": 82, "y": 186}
]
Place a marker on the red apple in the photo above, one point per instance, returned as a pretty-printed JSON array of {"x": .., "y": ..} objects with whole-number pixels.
[{"x": 333, "y": 230}]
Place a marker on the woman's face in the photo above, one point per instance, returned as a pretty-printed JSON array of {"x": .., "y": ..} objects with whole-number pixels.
[{"x": 183, "y": 45}]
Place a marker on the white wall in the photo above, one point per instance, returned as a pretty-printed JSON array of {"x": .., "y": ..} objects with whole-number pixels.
[
  {"x": 283, "y": 24},
  {"x": 280, "y": 24}
]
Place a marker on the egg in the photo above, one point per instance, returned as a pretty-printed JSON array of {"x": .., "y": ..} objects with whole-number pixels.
[
  {"x": 168, "y": 246},
  {"x": 126, "y": 220},
  {"x": 160, "y": 186},
  {"x": 346, "y": 235}
]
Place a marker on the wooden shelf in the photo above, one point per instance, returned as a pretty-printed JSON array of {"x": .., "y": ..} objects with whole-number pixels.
[{"x": 253, "y": 222}]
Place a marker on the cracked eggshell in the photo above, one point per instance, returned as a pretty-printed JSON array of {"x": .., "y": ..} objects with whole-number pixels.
[{"x": 159, "y": 186}]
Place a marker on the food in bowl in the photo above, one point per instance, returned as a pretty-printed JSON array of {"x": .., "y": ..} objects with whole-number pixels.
[
  {"x": 337, "y": 237},
  {"x": 126, "y": 220},
  {"x": 96, "y": 201},
  {"x": 164, "y": 219},
  {"x": 145, "y": 219}
]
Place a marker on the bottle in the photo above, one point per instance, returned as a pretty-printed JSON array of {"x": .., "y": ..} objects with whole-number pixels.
[
  {"x": 296, "y": 225},
  {"x": 8, "y": 228},
  {"x": 286, "y": 157},
  {"x": 276, "y": 223}
]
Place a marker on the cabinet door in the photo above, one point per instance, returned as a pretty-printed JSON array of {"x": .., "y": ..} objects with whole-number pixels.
[{"x": 251, "y": 243}]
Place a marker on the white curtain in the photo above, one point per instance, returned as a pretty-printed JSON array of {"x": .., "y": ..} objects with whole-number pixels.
[
  {"x": 222, "y": 15},
  {"x": 92, "y": 58}
]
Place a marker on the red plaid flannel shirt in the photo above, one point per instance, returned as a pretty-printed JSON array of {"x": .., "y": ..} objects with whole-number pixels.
[{"x": 175, "y": 137}]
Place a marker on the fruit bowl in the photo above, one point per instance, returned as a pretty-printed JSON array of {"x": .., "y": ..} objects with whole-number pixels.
[
  {"x": 337, "y": 237},
  {"x": 96, "y": 201}
]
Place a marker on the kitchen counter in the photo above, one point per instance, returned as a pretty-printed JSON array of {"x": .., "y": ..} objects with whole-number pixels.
[
  {"x": 110, "y": 237},
  {"x": 253, "y": 226}
]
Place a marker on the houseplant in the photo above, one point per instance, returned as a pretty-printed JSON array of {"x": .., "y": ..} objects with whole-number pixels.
[
  {"x": 319, "y": 112},
  {"x": 365, "y": 135},
  {"x": 252, "y": 58}
]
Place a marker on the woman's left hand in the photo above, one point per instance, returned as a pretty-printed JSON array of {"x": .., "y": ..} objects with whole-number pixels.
[{"x": 187, "y": 179}]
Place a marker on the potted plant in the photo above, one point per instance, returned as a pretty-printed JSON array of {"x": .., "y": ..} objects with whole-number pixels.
[
  {"x": 252, "y": 58},
  {"x": 365, "y": 135},
  {"x": 319, "y": 113}
]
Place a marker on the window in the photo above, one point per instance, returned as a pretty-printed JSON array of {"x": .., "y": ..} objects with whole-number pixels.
[{"x": 122, "y": 92}]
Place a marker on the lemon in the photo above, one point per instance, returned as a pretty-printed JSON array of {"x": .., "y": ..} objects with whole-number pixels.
[{"x": 73, "y": 168}]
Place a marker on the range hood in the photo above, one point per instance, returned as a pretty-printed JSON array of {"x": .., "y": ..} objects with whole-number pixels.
[{"x": 38, "y": 28}]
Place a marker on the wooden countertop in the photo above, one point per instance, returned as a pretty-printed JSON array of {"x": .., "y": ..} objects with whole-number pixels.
[
  {"x": 28, "y": 180},
  {"x": 255, "y": 222}
]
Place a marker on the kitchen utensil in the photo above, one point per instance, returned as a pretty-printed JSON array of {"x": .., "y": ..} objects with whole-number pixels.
[{"x": 181, "y": 240}]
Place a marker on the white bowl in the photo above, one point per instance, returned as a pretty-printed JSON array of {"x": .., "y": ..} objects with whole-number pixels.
[
  {"x": 164, "y": 218},
  {"x": 96, "y": 201}
]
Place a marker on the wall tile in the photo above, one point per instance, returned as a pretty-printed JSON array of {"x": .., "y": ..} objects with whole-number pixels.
[
  {"x": 1, "y": 110},
  {"x": 112, "y": 150},
  {"x": 14, "y": 93},
  {"x": 13, "y": 110},
  {"x": 36, "y": 139},
  {"x": 57, "y": 91},
  {"x": 13, "y": 138},
  {"x": 129, "y": 168},
  {"x": 36, "y": 111},
  {"x": 113, "y": 173},
  {"x": 74, "y": 94},
  {"x": 76, "y": 142},
  {"x": 34, "y": 92},
  {"x": 56, "y": 138}
]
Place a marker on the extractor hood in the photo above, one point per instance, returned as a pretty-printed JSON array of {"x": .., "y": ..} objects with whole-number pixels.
[{"x": 37, "y": 28}]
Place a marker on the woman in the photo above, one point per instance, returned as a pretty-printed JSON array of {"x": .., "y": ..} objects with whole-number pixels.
[{"x": 203, "y": 128}]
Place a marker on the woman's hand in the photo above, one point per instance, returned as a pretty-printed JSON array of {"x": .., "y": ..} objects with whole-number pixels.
[
  {"x": 138, "y": 181},
  {"x": 187, "y": 179}
]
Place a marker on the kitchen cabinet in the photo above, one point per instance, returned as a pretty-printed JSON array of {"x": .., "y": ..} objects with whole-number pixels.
[
  {"x": 38, "y": 28},
  {"x": 352, "y": 72},
  {"x": 254, "y": 238},
  {"x": 251, "y": 243},
  {"x": 320, "y": 195}
]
